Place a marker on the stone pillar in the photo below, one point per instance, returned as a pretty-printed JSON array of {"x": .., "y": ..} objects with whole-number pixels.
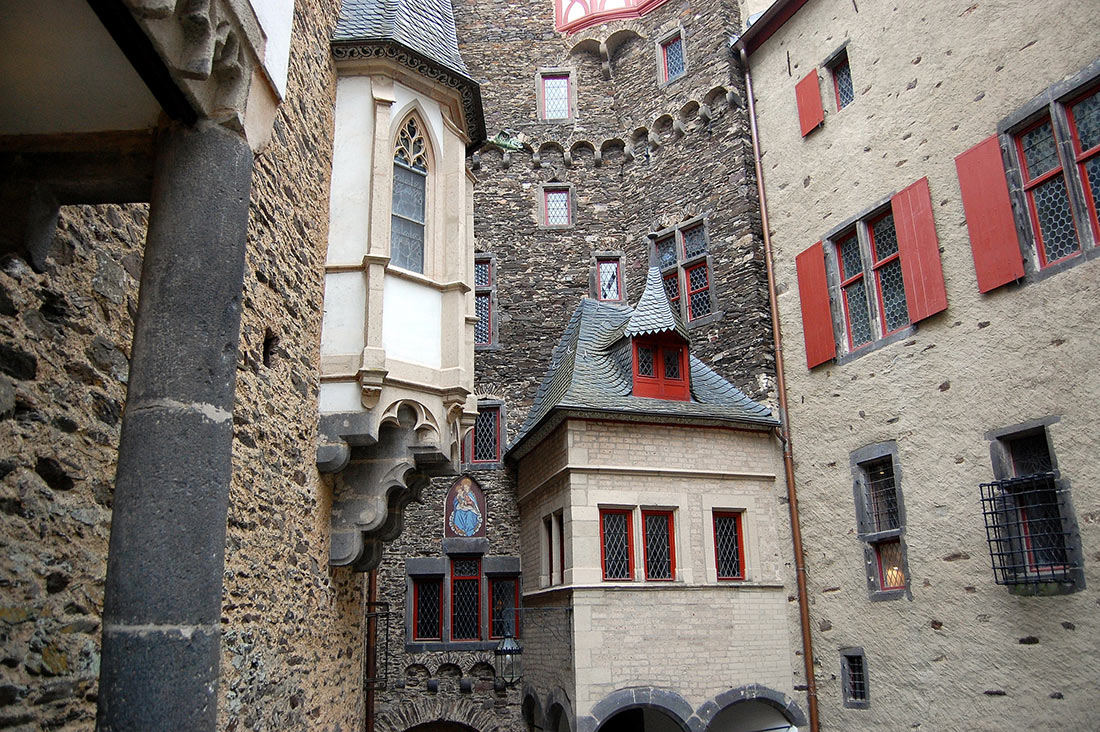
[{"x": 161, "y": 635}]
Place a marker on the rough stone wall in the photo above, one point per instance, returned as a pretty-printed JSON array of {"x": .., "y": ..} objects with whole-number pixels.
[
  {"x": 292, "y": 647},
  {"x": 931, "y": 82},
  {"x": 64, "y": 349}
]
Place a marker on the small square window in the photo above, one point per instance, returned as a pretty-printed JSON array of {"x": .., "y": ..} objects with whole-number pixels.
[
  {"x": 558, "y": 209},
  {"x": 853, "y": 674},
  {"x": 729, "y": 545},
  {"x": 617, "y": 544},
  {"x": 672, "y": 56},
  {"x": 608, "y": 272},
  {"x": 842, "y": 80},
  {"x": 660, "y": 545},
  {"x": 555, "y": 96}
]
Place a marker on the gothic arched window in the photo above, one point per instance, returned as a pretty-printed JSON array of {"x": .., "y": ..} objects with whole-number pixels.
[{"x": 410, "y": 177}]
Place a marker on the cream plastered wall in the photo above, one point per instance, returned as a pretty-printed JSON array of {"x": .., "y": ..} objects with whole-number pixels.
[
  {"x": 625, "y": 632},
  {"x": 932, "y": 80}
]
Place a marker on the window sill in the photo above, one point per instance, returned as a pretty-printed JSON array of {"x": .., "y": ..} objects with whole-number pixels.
[
  {"x": 1087, "y": 255},
  {"x": 474, "y": 467},
  {"x": 900, "y": 335},
  {"x": 706, "y": 320},
  {"x": 426, "y": 646},
  {"x": 487, "y": 346}
]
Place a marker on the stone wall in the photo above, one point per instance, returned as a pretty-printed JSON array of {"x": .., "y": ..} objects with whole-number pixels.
[{"x": 932, "y": 81}]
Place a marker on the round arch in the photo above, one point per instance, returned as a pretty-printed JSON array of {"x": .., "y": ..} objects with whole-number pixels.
[
  {"x": 641, "y": 708},
  {"x": 733, "y": 710}
]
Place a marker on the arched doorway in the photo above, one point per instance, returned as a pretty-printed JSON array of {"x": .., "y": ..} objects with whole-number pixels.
[
  {"x": 750, "y": 716},
  {"x": 641, "y": 719}
]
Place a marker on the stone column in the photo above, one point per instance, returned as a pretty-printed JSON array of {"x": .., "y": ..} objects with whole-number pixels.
[{"x": 161, "y": 635}]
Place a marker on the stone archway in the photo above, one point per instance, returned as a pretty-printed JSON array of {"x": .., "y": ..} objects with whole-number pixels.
[
  {"x": 442, "y": 727},
  {"x": 639, "y": 709}
]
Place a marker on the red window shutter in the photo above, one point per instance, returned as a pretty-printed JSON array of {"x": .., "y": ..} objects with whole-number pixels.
[
  {"x": 994, "y": 243},
  {"x": 813, "y": 293},
  {"x": 919, "y": 249},
  {"x": 810, "y": 112}
]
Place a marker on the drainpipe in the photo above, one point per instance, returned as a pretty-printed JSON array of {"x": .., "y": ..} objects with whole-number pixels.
[
  {"x": 784, "y": 424},
  {"x": 372, "y": 648}
]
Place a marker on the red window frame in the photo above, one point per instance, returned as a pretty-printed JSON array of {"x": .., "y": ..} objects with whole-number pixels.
[
  {"x": 671, "y": 545},
  {"x": 629, "y": 513},
  {"x": 678, "y": 38},
  {"x": 618, "y": 279},
  {"x": 690, "y": 292},
  {"x": 547, "y": 192},
  {"x": 1030, "y": 184},
  {"x": 568, "y": 96},
  {"x": 876, "y": 267},
  {"x": 840, "y": 63},
  {"x": 737, "y": 517},
  {"x": 470, "y": 454},
  {"x": 674, "y": 301},
  {"x": 493, "y": 581},
  {"x": 418, "y": 586},
  {"x": 845, "y": 281},
  {"x": 883, "y": 585},
  {"x": 658, "y": 386},
  {"x": 456, "y": 577},
  {"x": 1081, "y": 157}
]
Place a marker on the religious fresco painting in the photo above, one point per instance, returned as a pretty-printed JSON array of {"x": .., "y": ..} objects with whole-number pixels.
[{"x": 465, "y": 509}]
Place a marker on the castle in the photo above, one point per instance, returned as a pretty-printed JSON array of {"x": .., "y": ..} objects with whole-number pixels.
[{"x": 714, "y": 353}]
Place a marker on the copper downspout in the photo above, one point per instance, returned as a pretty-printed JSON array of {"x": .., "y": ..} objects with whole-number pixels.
[
  {"x": 372, "y": 649},
  {"x": 784, "y": 430}
]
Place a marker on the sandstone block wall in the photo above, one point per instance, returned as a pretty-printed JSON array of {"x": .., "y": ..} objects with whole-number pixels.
[{"x": 932, "y": 81}]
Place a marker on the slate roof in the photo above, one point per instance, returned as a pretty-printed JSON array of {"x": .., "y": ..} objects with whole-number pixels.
[
  {"x": 424, "y": 26},
  {"x": 591, "y": 370},
  {"x": 654, "y": 313}
]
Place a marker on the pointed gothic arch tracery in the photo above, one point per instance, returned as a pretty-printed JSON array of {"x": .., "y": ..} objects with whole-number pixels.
[{"x": 410, "y": 188}]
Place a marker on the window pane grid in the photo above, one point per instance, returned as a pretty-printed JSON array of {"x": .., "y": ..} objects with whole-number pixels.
[
  {"x": 609, "y": 279},
  {"x": 658, "y": 546},
  {"x": 645, "y": 361},
  {"x": 666, "y": 251},
  {"x": 482, "y": 329},
  {"x": 842, "y": 75},
  {"x": 465, "y": 613},
  {"x": 1052, "y": 211},
  {"x": 882, "y": 496},
  {"x": 859, "y": 316},
  {"x": 615, "y": 527},
  {"x": 695, "y": 242},
  {"x": 555, "y": 97},
  {"x": 674, "y": 58},
  {"x": 856, "y": 679},
  {"x": 850, "y": 258},
  {"x": 557, "y": 207},
  {"x": 427, "y": 609},
  {"x": 698, "y": 292},
  {"x": 503, "y": 619},
  {"x": 890, "y": 571},
  {"x": 1086, "y": 121},
  {"x": 482, "y": 275},
  {"x": 486, "y": 438},
  {"x": 1027, "y": 541},
  {"x": 727, "y": 546},
  {"x": 671, "y": 357},
  {"x": 895, "y": 311},
  {"x": 672, "y": 288},
  {"x": 1039, "y": 150}
]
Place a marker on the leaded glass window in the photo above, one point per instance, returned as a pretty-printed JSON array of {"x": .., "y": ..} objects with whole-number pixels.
[
  {"x": 671, "y": 357},
  {"x": 695, "y": 241},
  {"x": 674, "y": 58},
  {"x": 465, "y": 599},
  {"x": 842, "y": 78},
  {"x": 410, "y": 170},
  {"x": 658, "y": 545},
  {"x": 1045, "y": 186},
  {"x": 615, "y": 535},
  {"x": 666, "y": 251},
  {"x": 486, "y": 437},
  {"x": 482, "y": 329},
  {"x": 555, "y": 96},
  {"x": 672, "y": 289},
  {"x": 1086, "y": 124},
  {"x": 482, "y": 274},
  {"x": 428, "y": 594},
  {"x": 557, "y": 207},
  {"x": 727, "y": 546},
  {"x": 698, "y": 291},
  {"x": 882, "y": 496},
  {"x": 891, "y": 572},
  {"x": 884, "y": 241},
  {"x": 484, "y": 294},
  {"x": 645, "y": 361},
  {"x": 502, "y": 620},
  {"x": 608, "y": 272}
]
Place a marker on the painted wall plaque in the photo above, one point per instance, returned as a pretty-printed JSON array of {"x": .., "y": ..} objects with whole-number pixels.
[{"x": 465, "y": 509}]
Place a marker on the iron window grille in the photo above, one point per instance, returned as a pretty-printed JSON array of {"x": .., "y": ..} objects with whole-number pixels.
[
  {"x": 729, "y": 545},
  {"x": 407, "y": 221},
  {"x": 880, "y": 520},
  {"x": 660, "y": 545},
  {"x": 1029, "y": 542},
  {"x": 616, "y": 544},
  {"x": 682, "y": 255},
  {"x": 853, "y": 673}
]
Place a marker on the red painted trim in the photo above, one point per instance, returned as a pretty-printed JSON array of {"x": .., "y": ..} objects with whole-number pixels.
[
  {"x": 994, "y": 241},
  {"x": 671, "y": 546},
  {"x": 770, "y": 22},
  {"x": 473, "y": 437},
  {"x": 807, "y": 94},
  {"x": 547, "y": 192},
  {"x": 629, "y": 544},
  {"x": 844, "y": 283},
  {"x": 813, "y": 295},
  {"x": 618, "y": 279},
  {"x": 568, "y": 96},
  {"x": 736, "y": 516},
  {"x": 603, "y": 16},
  {"x": 675, "y": 277},
  {"x": 919, "y": 247},
  {"x": 1081, "y": 157},
  {"x": 418, "y": 586},
  {"x": 882, "y": 585},
  {"x": 664, "y": 57},
  {"x": 876, "y": 267},
  {"x": 687, "y": 284},
  {"x": 454, "y": 577},
  {"x": 840, "y": 63},
  {"x": 658, "y": 386},
  {"x": 1030, "y": 184},
  {"x": 488, "y": 262}
]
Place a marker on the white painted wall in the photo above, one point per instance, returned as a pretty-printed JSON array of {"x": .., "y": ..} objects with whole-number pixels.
[
  {"x": 412, "y": 322},
  {"x": 343, "y": 329},
  {"x": 276, "y": 18},
  {"x": 340, "y": 396},
  {"x": 349, "y": 199}
]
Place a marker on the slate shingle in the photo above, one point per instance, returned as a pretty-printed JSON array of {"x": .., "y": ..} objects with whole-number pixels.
[{"x": 424, "y": 26}]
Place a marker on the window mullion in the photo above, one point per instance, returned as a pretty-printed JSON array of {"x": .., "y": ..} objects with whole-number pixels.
[
  {"x": 871, "y": 288},
  {"x": 1075, "y": 186}
]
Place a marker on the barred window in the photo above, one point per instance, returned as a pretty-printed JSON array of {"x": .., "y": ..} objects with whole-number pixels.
[
  {"x": 880, "y": 520},
  {"x": 729, "y": 545},
  {"x": 853, "y": 673},
  {"x": 616, "y": 544},
  {"x": 659, "y": 540}
]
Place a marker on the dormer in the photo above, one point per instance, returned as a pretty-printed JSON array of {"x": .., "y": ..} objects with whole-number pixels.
[{"x": 659, "y": 346}]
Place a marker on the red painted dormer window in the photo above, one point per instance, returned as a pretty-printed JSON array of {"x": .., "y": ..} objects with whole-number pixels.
[{"x": 661, "y": 368}]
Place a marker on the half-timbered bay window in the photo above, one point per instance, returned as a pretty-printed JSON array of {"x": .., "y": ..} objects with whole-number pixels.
[
  {"x": 729, "y": 545},
  {"x": 1053, "y": 151},
  {"x": 880, "y": 519},
  {"x": 617, "y": 543},
  {"x": 661, "y": 368},
  {"x": 1032, "y": 535},
  {"x": 410, "y": 174},
  {"x": 485, "y": 290},
  {"x": 871, "y": 277},
  {"x": 659, "y": 540},
  {"x": 681, "y": 253}
]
